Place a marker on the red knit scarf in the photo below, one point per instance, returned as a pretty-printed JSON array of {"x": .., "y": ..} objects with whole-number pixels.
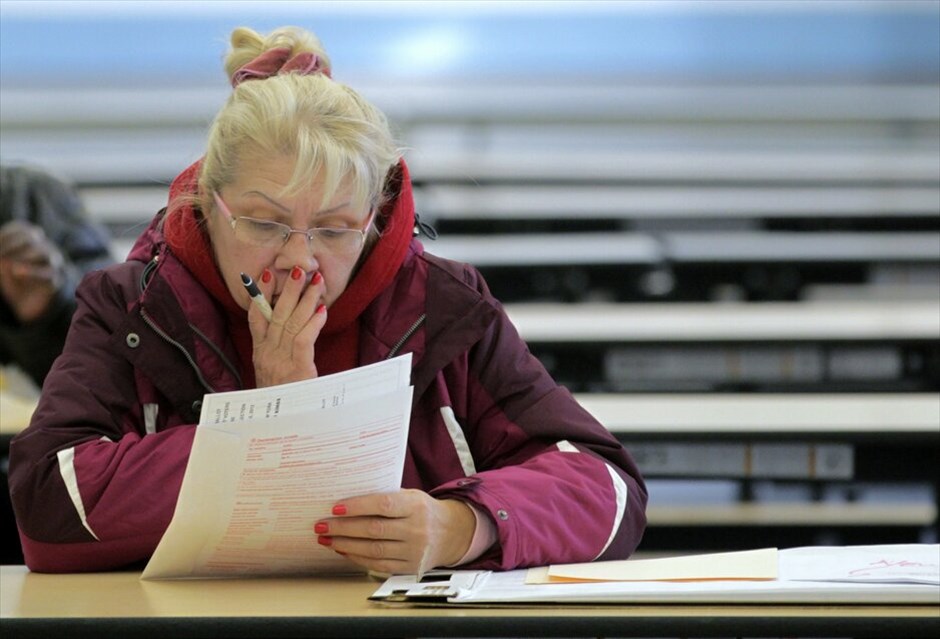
[{"x": 337, "y": 348}]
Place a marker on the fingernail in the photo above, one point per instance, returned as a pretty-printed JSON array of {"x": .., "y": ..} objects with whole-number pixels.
[
  {"x": 296, "y": 273},
  {"x": 339, "y": 509},
  {"x": 325, "y": 541},
  {"x": 266, "y": 276},
  {"x": 317, "y": 278},
  {"x": 321, "y": 528},
  {"x": 321, "y": 308}
]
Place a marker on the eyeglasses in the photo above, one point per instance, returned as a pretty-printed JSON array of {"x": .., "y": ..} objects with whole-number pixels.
[{"x": 268, "y": 234}]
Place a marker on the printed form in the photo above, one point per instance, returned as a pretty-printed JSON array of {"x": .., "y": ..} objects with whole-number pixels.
[{"x": 266, "y": 464}]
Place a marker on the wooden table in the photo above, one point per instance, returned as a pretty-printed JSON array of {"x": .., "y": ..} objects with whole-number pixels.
[{"x": 119, "y": 604}]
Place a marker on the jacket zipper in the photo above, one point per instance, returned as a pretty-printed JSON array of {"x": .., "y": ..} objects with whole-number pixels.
[
  {"x": 215, "y": 349},
  {"x": 404, "y": 338},
  {"x": 144, "y": 279},
  {"x": 172, "y": 342}
]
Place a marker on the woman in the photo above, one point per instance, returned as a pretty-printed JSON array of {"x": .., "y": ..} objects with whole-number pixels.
[{"x": 302, "y": 189}]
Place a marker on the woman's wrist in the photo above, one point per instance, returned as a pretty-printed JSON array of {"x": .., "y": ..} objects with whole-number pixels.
[{"x": 460, "y": 527}]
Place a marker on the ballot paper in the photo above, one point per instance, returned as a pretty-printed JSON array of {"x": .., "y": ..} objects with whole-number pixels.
[
  {"x": 810, "y": 575},
  {"x": 266, "y": 464},
  {"x": 900, "y": 563}
]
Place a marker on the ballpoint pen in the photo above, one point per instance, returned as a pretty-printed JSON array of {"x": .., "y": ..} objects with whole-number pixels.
[{"x": 257, "y": 297}]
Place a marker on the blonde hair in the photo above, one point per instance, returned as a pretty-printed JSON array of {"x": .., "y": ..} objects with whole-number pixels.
[{"x": 329, "y": 129}]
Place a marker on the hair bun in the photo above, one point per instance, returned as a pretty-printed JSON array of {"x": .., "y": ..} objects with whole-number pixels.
[
  {"x": 284, "y": 50},
  {"x": 277, "y": 61}
]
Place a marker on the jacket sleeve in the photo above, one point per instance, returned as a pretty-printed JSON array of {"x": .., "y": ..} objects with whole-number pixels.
[
  {"x": 559, "y": 487},
  {"x": 89, "y": 489}
]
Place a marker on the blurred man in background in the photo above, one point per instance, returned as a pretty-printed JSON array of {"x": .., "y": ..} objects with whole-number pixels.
[{"x": 46, "y": 245}]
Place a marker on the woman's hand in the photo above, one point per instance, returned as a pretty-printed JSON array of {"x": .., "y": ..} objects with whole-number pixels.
[
  {"x": 31, "y": 269},
  {"x": 284, "y": 347},
  {"x": 404, "y": 532}
]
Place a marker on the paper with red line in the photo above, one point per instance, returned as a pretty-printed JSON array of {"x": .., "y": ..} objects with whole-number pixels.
[{"x": 266, "y": 464}]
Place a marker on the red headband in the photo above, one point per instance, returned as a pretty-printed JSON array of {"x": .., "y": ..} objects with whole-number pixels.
[{"x": 275, "y": 61}]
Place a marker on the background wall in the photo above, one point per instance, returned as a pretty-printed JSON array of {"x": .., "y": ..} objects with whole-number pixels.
[{"x": 171, "y": 43}]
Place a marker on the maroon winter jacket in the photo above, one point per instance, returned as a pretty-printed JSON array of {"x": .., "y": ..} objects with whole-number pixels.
[{"x": 95, "y": 478}]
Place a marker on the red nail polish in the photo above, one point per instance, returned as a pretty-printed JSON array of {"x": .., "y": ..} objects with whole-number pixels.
[
  {"x": 317, "y": 278},
  {"x": 339, "y": 509},
  {"x": 266, "y": 276},
  {"x": 321, "y": 528},
  {"x": 325, "y": 541},
  {"x": 321, "y": 308},
  {"x": 296, "y": 273}
]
